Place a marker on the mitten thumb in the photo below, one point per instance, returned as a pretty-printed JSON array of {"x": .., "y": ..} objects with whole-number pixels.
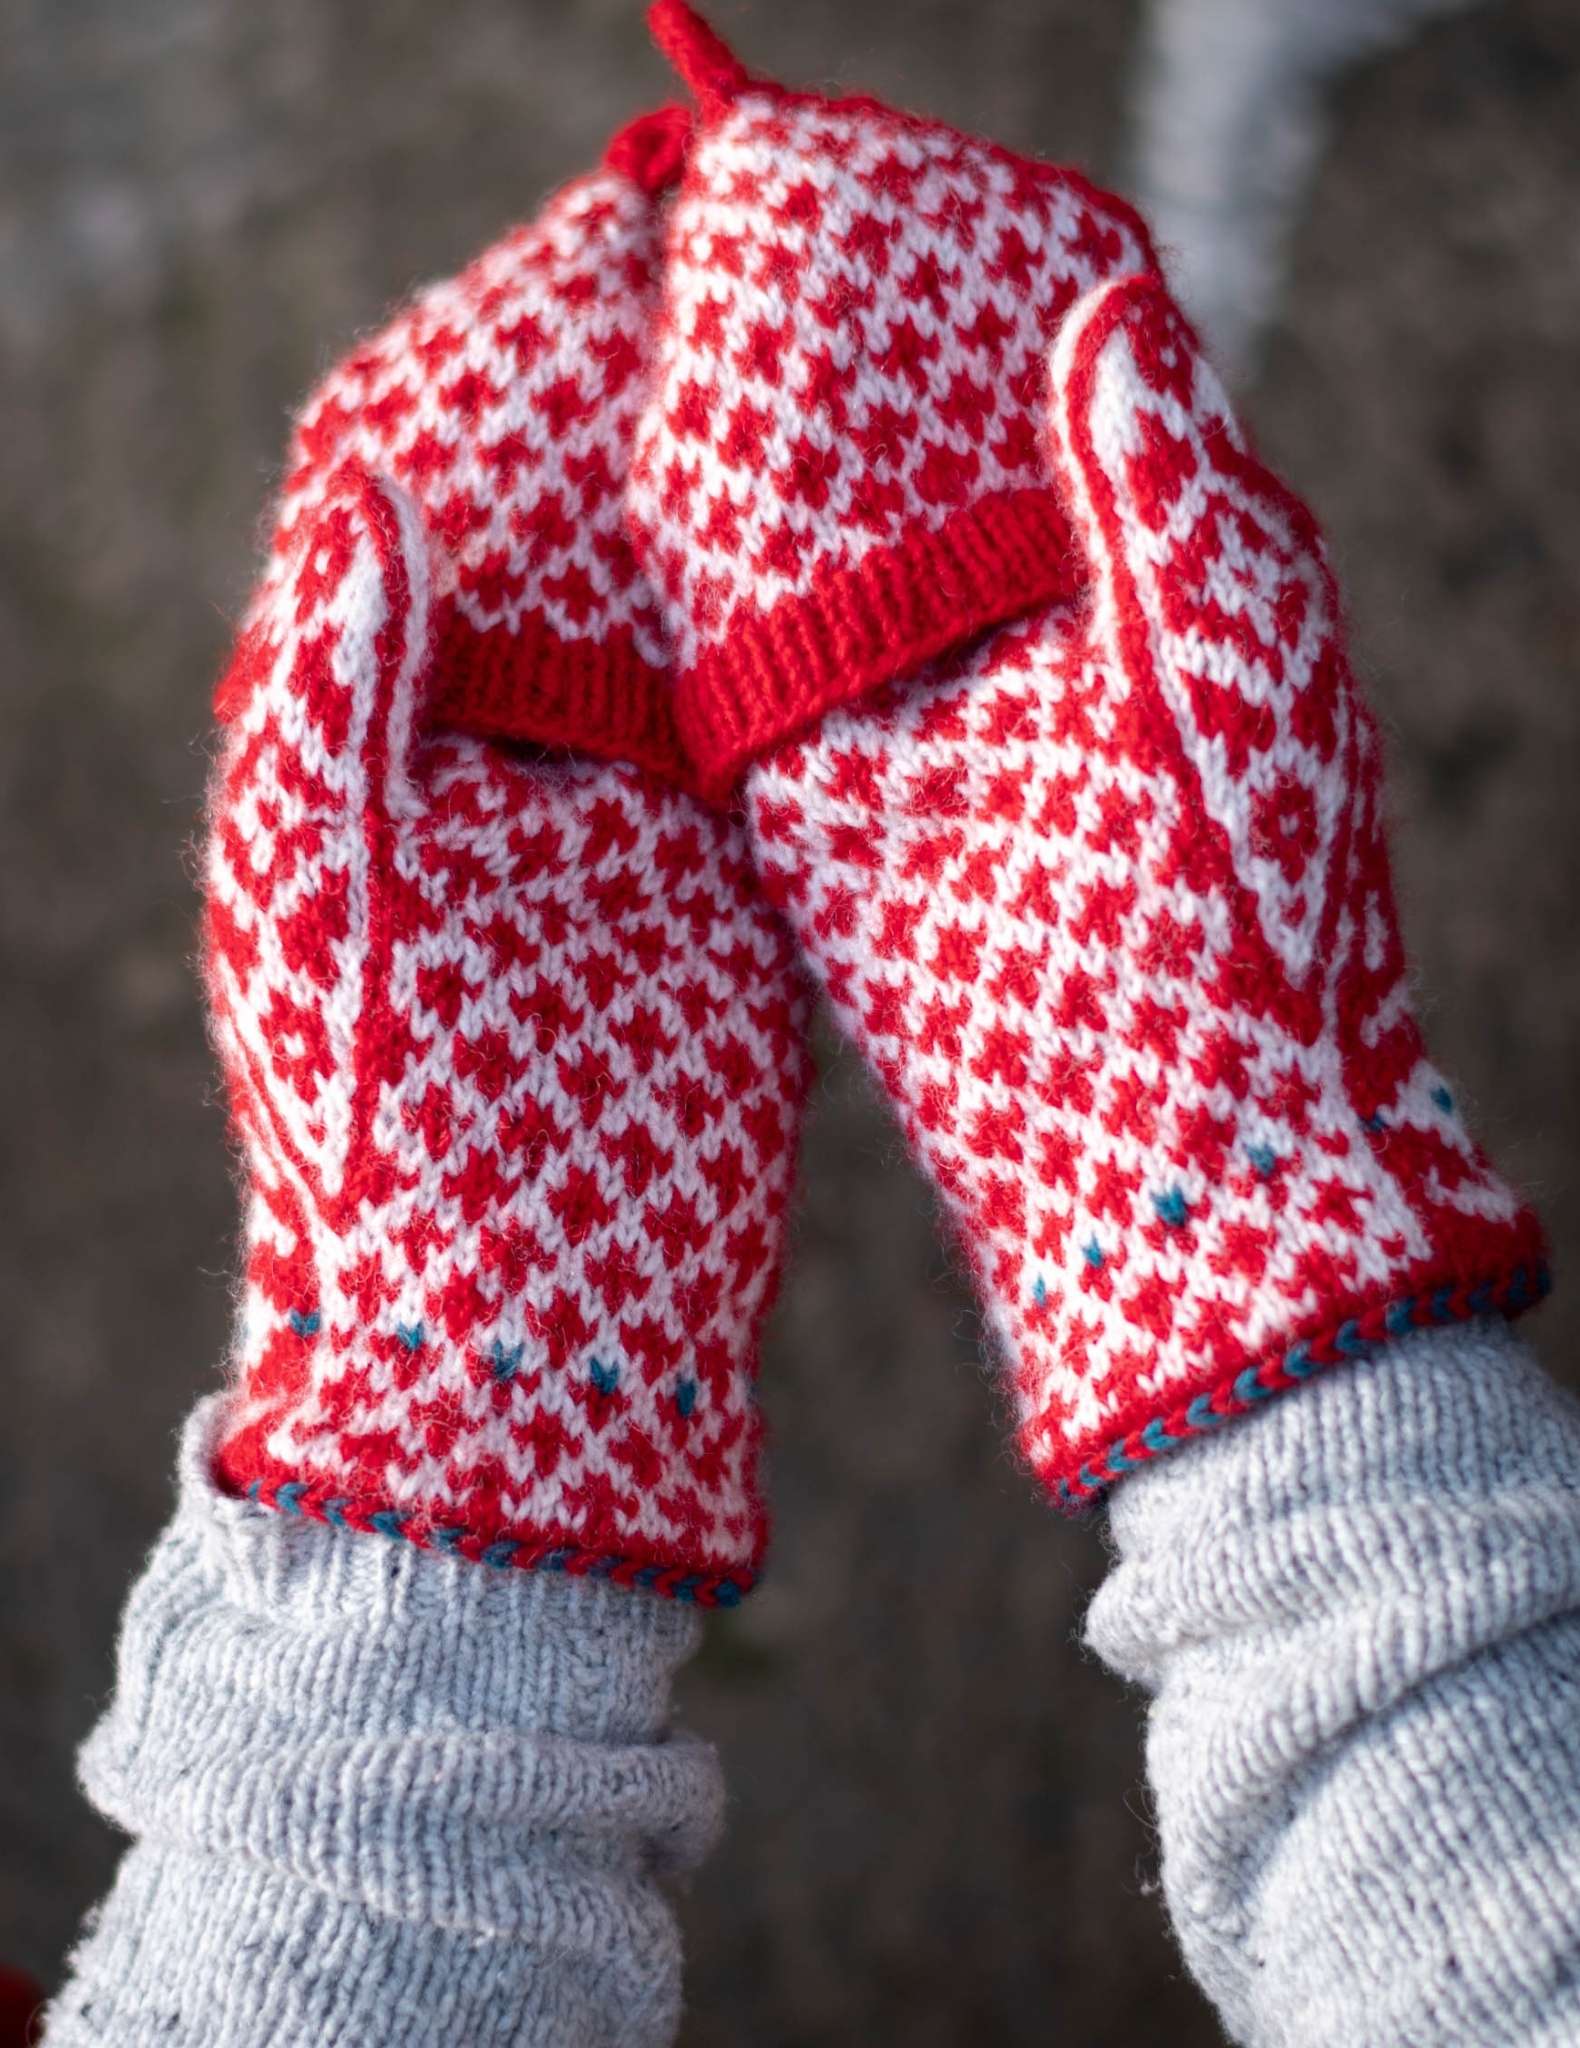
[
  {"x": 1211, "y": 590},
  {"x": 328, "y": 671}
]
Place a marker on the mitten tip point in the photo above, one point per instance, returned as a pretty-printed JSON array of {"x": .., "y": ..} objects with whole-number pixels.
[{"x": 699, "y": 55}]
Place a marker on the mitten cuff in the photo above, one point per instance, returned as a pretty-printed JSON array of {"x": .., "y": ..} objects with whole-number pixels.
[
  {"x": 534, "y": 686},
  {"x": 861, "y": 626},
  {"x": 1145, "y": 1421}
]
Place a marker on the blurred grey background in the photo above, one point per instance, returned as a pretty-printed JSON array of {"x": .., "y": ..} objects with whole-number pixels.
[{"x": 939, "y": 1832}]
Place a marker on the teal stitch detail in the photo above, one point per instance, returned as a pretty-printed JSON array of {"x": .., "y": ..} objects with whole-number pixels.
[
  {"x": 305, "y": 1325},
  {"x": 1516, "y": 1291},
  {"x": 604, "y": 1377},
  {"x": 1173, "y": 1208},
  {"x": 686, "y": 1398},
  {"x": 1443, "y": 1099},
  {"x": 1375, "y": 1122},
  {"x": 412, "y": 1335},
  {"x": 506, "y": 1362},
  {"x": 1039, "y": 1293},
  {"x": 1264, "y": 1160},
  {"x": 1092, "y": 1252},
  {"x": 696, "y": 1587}
]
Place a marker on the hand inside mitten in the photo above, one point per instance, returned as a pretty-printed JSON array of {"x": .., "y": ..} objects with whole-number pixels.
[
  {"x": 513, "y": 1049},
  {"x": 1107, "y": 903}
]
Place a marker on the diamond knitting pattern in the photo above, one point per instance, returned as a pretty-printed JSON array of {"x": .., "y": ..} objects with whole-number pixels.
[
  {"x": 1107, "y": 903},
  {"x": 514, "y": 1056},
  {"x": 505, "y": 400},
  {"x": 838, "y": 473}
]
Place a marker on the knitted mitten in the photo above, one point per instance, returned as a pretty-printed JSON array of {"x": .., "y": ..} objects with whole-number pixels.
[
  {"x": 504, "y": 400},
  {"x": 1107, "y": 902},
  {"x": 514, "y": 1058},
  {"x": 513, "y": 1047},
  {"x": 838, "y": 473}
]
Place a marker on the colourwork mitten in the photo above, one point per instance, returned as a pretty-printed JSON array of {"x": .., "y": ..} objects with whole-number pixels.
[
  {"x": 838, "y": 474},
  {"x": 513, "y": 1046},
  {"x": 1107, "y": 902},
  {"x": 514, "y": 1057},
  {"x": 504, "y": 400}
]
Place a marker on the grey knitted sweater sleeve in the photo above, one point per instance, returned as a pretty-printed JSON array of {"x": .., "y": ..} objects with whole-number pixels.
[
  {"x": 382, "y": 1796},
  {"x": 1358, "y": 1617}
]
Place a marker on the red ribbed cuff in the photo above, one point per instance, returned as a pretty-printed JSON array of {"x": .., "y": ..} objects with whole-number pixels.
[
  {"x": 527, "y": 683},
  {"x": 858, "y": 628}
]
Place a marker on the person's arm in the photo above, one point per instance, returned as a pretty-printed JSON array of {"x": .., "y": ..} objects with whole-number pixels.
[
  {"x": 1103, "y": 894},
  {"x": 514, "y": 1059},
  {"x": 380, "y": 1795},
  {"x": 1358, "y": 1616}
]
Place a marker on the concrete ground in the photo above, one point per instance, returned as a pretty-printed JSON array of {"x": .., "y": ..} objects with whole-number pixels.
[{"x": 939, "y": 1830}]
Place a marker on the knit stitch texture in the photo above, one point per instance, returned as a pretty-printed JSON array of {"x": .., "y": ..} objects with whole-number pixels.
[
  {"x": 384, "y": 1797},
  {"x": 379, "y": 1796},
  {"x": 1107, "y": 902},
  {"x": 1358, "y": 1616},
  {"x": 838, "y": 473},
  {"x": 504, "y": 400},
  {"x": 514, "y": 1056}
]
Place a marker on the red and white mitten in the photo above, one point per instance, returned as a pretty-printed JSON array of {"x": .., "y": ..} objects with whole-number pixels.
[
  {"x": 1106, "y": 900},
  {"x": 514, "y": 1056},
  {"x": 513, "y": 1044},
  {"x": 838, "y": 472},
  {"x": 504, "y": 400}
]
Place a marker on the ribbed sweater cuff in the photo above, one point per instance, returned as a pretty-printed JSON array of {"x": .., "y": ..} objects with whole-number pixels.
[{"x": 381, "y": 1795}]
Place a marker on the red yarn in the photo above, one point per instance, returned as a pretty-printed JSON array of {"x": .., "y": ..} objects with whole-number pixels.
[
  {"x": 651, "y": 150},
  {"x": 1106, "y": 900},
  {"x": 853, "y": 628},
  {"x": 838, "y": 473},
  {"x": 529, "y": 683},
  {"x": 699, "y": 54}
]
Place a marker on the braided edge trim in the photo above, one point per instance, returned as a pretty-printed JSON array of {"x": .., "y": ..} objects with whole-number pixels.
[
  {"x": 504, "y": 1553},
  {"x": 1248, "y": 1388}
]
